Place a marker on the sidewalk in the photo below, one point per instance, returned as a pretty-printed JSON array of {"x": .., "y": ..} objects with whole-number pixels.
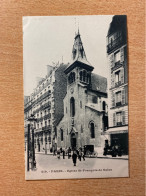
[
  {"x": 123, "y": 157},
  {"x": 100, "y": 155}
]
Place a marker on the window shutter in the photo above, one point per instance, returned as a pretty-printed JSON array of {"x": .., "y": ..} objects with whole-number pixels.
[
  {"x": 114, "y": 119},
  {"x": 113, "y": 99},
  {"x": 126, "y": 94},
  {"x": 112, "y": 80},
  {"x": 123, "y": 117},
  {"x": 111, "y": 60},
  {"x": 122, "y": 76},
  {"x": 123, "y": 96},
  {"x": 122, "y": 54}
]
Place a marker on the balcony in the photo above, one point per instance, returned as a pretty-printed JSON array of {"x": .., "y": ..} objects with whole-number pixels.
[
  {"x": 118, "y": 103},
  {"x": 40, "y": 119},
  {"x": 118, "y": 83},
  {"x": 114, "y": 44},
  {"x": 119, "y": 123},
  {"x": 47, "y": 116},
  {"x": 47, "y": 128}
]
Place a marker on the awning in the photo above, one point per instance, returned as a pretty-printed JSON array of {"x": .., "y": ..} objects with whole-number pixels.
[{"x": 116, "y": 130}]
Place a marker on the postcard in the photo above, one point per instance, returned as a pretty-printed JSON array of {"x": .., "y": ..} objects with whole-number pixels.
[{"x": 75, "y": 96}]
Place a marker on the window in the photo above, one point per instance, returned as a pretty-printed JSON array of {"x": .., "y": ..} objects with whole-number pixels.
[
  {"x": 41, "y": 124},
  {"x": 81, "y": 75},
  {"x": 41, "y": 114},
  {"x": 38, "y": 125},
  {"x": 119, "y": 118},
  {"x": 117, "y": 77},
  {"x": 92, "y": 130},
  {"x": 94, "y": 99},
  {"x": 45, "y": 123},
  {"x": 61, "y": 132},
  {"x": 45, "y": 112},
  {"x": 84, "y": 76},
  {"x": 49, "y": 122},
  {"x": 117, "y": 58},
  {"x": 118, "y": 98},
  {"x": 80, "y": 104},
  {"x": 103, "y": 105},
  {"x": 72, "y": 107},
  {"x": 81, "y": 129},
  {"x": 71, "y": 78}
]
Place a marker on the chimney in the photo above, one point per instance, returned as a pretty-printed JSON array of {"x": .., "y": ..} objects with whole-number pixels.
[{"x": 49, "y": 70}]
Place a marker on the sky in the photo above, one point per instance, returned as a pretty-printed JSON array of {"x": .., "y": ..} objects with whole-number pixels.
[{"x": 49, "y": 39}]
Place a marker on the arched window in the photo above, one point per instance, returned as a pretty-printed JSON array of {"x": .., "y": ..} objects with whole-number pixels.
[
  {"x": 72, "y": 107},
  {"x": 92, "y": 130},
  {"x": 81, "y": 75},
  {"x": 71, "y": 77},
  {"x": 61, "y": 132},
  {"x": 103, "y": 105},
  {"x": 84, "y": 76}
]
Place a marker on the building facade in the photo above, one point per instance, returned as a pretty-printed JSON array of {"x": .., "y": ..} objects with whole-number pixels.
[
  {"x": 46, "y": 104},
  {"x": 118, "y": 83},
  {"x": 85, "y": 104}
]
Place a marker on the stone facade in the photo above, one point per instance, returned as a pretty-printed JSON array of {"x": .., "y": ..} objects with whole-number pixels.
[
  {"x": 46, "y": 104},
  {"x": 85, "y": 104},
  {"x": 118, "y": 83}
]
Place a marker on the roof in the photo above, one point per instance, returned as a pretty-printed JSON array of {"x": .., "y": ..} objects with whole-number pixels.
[
  {"x": 118, "y": 23},
  {"x": 99, "y": 83}
]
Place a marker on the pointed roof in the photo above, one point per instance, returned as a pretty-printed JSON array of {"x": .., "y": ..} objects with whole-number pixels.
[{"x": 78, "y": 55}]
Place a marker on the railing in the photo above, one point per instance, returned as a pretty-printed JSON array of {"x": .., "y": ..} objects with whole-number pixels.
[
  {"x": 47, "y": 116},
  {"x": 118, "y": 103},
  {"x": 47, "y": 128},
  {"x": 119, "y": 123},
  {"x": 118, "y": 83},
  {"x": 115, "y": 43}
]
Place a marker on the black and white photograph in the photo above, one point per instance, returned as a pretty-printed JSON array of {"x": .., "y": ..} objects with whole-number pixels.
[{"x": 75, "y": 75}]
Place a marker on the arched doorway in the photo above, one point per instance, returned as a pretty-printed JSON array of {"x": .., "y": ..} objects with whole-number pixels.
[{"x": 73, "y": 141}]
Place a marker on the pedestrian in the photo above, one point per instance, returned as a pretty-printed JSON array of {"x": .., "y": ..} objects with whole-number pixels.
[
  {"x": 58, "y": 154},
  {"x": 83, "y": 155},
  {"x": 69, "y": 153},
  {"x": 79, "y": 155},
  {"x": 74, "y": 158},
  {"x": 63, "y": 154},
  {"x": 54, "y": 154}
]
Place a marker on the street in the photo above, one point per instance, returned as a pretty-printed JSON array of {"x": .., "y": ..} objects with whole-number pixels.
[{"x": 50, "y": 167}]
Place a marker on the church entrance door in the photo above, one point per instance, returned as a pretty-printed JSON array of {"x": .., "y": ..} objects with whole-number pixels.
[{"x": 73, "y": 141}]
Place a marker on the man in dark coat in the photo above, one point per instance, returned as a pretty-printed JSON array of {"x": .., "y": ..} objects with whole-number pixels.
[
  {"x": 74, "y": 158},
  {"x": 63, "y": 154}
]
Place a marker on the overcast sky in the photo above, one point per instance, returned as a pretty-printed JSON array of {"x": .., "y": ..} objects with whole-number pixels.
[{"x": 50, "y": 39}]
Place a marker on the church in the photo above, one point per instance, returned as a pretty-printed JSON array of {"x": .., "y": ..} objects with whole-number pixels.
[{"x": 85, "y": 104}]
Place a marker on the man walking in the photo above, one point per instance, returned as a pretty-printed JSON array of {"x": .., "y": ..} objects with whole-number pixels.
[{"x": 74, "y": 157}]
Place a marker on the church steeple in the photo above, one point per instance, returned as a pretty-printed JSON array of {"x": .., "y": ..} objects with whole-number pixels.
[
  {"x": 78, "y": 58},
  {"x": 78, "y": 53}
]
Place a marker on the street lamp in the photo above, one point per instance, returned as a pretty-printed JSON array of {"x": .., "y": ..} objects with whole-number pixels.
[{"x": 30, "y": 142}]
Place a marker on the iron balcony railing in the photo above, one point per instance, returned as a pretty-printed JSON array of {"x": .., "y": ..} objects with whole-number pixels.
[
  {"x": 119, "y": 123},
  {"x": 47, "y": 128},
  {"x": 118, "y": 83},
  {"x": 47, "y": 116},
  {"x": 114, "y": 44},
  {"x": 118, "y": 103}
]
